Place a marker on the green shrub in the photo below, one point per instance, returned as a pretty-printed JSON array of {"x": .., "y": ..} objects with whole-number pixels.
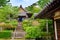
[
  {"x": 13, "y": 22},
  {"x": 33, "y": 31},
  {"x": 5, "y": 34},
  {"x": 9, "y": 25},
  {"x": 10, "y": 29}
]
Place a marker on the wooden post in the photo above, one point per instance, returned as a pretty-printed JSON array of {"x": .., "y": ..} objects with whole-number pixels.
[
  {"x": 55, "y": 30},
  {"x": 1, "y": 28},
  {"x": 47, "y": 28}
]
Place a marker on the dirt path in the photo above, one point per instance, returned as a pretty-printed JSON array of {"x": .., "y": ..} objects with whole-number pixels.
[{"x": 10, "y": 39}]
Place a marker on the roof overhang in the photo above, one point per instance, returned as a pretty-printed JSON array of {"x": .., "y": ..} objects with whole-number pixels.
[{"x": 48, "y": 11}]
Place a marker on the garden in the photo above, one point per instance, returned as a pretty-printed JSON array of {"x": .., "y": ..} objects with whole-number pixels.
[{"x": 34, "y": 28}]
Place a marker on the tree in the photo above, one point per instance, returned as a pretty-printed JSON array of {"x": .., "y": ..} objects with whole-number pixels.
[
  {"x": 3, "y": 2},
  {"x": 38, "y": 6},
  {"x": 7, "y": 12},
  {"x": 33, "y": 9},
  {"x": 7, "y": 16},
  {"x": 43, "y": 3},
  {"x": 15, "y": 11}
]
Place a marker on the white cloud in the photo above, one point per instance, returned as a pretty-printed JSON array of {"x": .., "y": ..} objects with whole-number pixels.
[
  {"x": 24, "y": 3},
  {"x": 25, "y": 0}
]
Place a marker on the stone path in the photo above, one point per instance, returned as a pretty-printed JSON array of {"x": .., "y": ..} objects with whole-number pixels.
[{"x": 19, "y": 32}]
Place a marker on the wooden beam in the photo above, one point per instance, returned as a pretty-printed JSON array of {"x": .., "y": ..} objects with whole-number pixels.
[
  {"x": 57, "y": 15},
  {"x": 56, "y": 18}
]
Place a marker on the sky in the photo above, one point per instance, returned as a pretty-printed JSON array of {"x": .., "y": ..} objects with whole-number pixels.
[{"x": 24, "y": 3}]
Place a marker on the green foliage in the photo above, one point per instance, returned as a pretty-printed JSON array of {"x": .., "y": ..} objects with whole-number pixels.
[
  {"x": 3, "y": 2},
  {"x": 33, "y": 9},
  {"x": 14, "y": 22},
  {"x": 51, "y": 30},
  {"x": 9, "y": 24},
  {"x": 8, "y": 12},
  {"x": 5, "y": 34},
  {"x": 41, "y": 4},
  {"x": 8, "y": 16},
  {"x": 34, "y": 31},
  {"x": 38, "y": 30}
]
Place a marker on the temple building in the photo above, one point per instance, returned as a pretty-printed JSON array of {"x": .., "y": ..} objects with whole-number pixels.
[
  {"x": 52, "y": 11},
  {"x": 23, "y": 14}
]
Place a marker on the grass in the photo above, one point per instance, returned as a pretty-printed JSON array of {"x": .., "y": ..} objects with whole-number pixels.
[{"x": 6, "y": 35}]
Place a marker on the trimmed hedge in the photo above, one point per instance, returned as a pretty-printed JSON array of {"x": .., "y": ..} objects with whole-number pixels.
[{"x": 5, "y": 34}]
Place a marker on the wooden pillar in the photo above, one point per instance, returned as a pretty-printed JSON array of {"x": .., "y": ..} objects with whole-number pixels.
[
  {"x": 47, "y": 28},
  {"x": 56, "y": 37}
]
